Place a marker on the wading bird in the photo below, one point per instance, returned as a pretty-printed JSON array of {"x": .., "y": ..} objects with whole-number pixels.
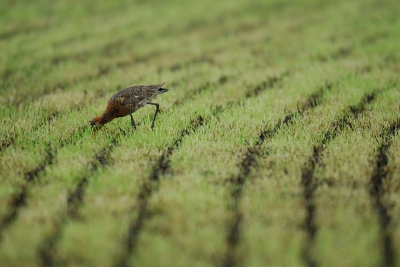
[{"x": 127, "y": 101}]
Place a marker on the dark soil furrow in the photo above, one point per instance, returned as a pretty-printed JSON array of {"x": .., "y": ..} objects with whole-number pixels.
[
  {"x": 27, "y": 29},
  {"x": 101, "y": 71},
  {"x": 307, "y": 177},
  {"x": 75, "y": 198},
  {"x": 201, "y": 89},
  {"x": 114, "y": 47},
  {"x": 341, "y": 53},
  {"x": 162, "y": 167},
  {"x": 249, "y": 162},
  {"x": 19, "y": 199},
  {"x": 311, "y": 102},
  {"x": 150, "y": 186},
  {"x": 81, "y": 56},
  {"x": 377, "y": 193},
  {"x": 375, "y": 37},
  {"x": 10, "y": 141},
  {"x": 269, "y": 83},
  {"x": 47, "y": 120},
  {"x": 194, "y": 61},
  {"x": 47, "y": 249},
  {"x": 107, "y": 50}
]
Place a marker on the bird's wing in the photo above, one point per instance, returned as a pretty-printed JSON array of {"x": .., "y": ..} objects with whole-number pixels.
[
  {"x": 136, "y": 94},
  {"x": 145, "y": 91}
]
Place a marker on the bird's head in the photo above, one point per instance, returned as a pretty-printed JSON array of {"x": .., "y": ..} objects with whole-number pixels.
[{"x": 97, "y": 122}]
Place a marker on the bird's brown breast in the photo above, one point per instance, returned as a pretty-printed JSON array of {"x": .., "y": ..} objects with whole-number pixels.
[{"x": 117, "y": 109}]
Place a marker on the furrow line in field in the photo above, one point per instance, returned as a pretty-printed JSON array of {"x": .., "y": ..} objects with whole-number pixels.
[
  {"x": 201, "y": 89},
  {"x": 346, "y": 51},
  {"x": 106, "y": 69},
  {"x": 375, "y": 37},
  {"x": 377, "y": 193},
  {"x": 189, "y": 96},
  {"x": 249, "y": 162},
  {"x": 108, "y": 49},
  {"x": 151, "y": 185},
  {"x": 4, "y": 36},
  {"x": 75, "y": 199},
  {"x": 193, "y": 61},
  {"x": 11, "y": 141},
  {"x": 269, "y": 83},
  {"x": 83, "y": 56},
  {"x": 342, "y": 52},
  {"x": 66, "y": 83},
  {"x": 19, "y": 199},
  {"x": 8, "y": 141},
  {"x": 307, "y": 177},
  {"x": 162, "y": 167}
]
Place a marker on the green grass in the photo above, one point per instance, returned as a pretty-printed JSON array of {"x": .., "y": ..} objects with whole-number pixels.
[{"x": 277, "y": 143}]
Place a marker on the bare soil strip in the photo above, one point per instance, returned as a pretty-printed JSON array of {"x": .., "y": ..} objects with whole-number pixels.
[
  {"x": 81, "y": 56},
  {"x": 11, "y": 140},
  {"x": 8, "y": 141},
  {"x": 307, "y": 177},
  {"x": 341, "y": 53},
  {"x": 201, "y": 89},
  {"x": 191, "y": 95},
  {"x": 104, "y": 70},
  {"x": 269, "y": 83},
  {"x": 29, "y": 29},
  {"x": 162, "y": 168},
  {"x": 377, "y": 193},
  {"x": 19, "y": 199},
  {"x": 75, "y": 198},
  {"x": 150, "y": 186},
  {"x": 249, "y": 161},
  {"x": 47, "y": 249},
  {"x": 193, "y": 61}
]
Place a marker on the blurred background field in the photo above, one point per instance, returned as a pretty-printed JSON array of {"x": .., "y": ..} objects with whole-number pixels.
[{"x": 276, "y": 145}]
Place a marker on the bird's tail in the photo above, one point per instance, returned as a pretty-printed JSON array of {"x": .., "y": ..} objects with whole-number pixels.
[{"x": 161, "y": 90}]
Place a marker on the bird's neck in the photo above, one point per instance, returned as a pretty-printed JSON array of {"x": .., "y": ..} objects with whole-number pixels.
[{"x": 107, "y": 117}]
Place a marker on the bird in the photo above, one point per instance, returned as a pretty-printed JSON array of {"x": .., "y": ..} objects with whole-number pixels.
[{"x": 127, "y": 101}]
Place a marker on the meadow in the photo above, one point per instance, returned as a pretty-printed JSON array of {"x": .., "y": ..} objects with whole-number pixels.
[{"x": 275, "y": 145}]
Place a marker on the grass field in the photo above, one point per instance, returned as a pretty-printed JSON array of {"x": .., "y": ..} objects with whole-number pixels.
[{"x": 277, "y": 144}]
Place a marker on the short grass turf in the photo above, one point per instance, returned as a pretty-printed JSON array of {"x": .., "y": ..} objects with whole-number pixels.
[{"x": 277, "y": 143}]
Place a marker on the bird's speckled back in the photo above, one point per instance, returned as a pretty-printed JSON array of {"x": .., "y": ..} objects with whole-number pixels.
[{"x": 136, "y": 95}]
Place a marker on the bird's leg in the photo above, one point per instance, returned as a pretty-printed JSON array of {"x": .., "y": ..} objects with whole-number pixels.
[
  {"x": 133, "y": 122},
  {"x": 155, "y": 114}
]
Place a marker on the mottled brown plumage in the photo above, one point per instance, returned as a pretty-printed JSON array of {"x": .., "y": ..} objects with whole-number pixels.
[{"x": 127, "y": 101}]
